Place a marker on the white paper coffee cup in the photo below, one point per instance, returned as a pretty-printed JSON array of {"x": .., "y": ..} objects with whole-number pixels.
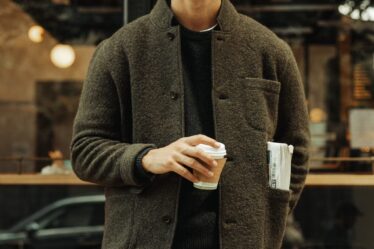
[{"x": 211, "y": 183}]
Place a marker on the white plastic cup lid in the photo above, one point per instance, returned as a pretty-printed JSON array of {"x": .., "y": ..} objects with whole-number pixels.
[{"x": 215, "y": 152}]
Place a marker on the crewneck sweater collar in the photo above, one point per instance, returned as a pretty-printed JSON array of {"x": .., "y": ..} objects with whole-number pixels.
[{"x": 196, "y": 35}]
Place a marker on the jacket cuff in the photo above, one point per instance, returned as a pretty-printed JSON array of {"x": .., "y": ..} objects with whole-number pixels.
[{"x": 127, "y": 169}]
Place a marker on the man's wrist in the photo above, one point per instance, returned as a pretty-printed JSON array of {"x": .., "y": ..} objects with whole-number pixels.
[{"x": 142, "y": 160}]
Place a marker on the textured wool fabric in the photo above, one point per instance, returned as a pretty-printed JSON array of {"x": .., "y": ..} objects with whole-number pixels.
[{"x": 133, "y": 98}]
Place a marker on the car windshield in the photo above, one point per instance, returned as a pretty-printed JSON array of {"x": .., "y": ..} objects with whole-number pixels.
[{"x": 74, "y": 216}]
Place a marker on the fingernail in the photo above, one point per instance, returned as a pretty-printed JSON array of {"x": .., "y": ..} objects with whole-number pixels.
[
  {"x": 211, "y": 173},
  {"x": 215, "y": 163},
  {"x": 217, "y": 144}
]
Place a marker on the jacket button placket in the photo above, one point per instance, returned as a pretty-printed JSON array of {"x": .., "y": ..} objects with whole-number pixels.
[{"x": 173, "y": 94}]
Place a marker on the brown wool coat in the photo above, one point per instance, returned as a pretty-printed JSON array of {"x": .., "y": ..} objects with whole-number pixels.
[{"x": 133, "y": 98}]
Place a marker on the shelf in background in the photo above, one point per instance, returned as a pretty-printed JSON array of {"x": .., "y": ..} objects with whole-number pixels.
[{"x": 311, "y": 181}]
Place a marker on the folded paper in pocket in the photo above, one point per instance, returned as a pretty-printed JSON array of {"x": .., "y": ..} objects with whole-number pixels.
[{"x": 279, "y": 156}]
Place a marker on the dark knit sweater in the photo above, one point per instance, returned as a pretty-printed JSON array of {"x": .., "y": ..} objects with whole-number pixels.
[
  {"x": 197, "y": 219},
  {"x": 198, "y": 209}
]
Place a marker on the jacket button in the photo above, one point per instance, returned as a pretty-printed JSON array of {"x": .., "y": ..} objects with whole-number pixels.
[
  {"x": 166, "y": 219},
  {"x": 220, "y": 38},
  {"x": 230, "y": 221},
  {"x": 222, "y": 96},
  {"x": 171, "y": 36},
  {"x": 174, "y": 95}
]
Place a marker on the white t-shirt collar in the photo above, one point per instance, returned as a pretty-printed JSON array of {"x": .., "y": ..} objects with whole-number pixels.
[{"x": 208, "y": 29}]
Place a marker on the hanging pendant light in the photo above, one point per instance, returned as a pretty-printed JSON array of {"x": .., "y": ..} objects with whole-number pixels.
[
  {"x": 62, "y": 56},
  {"x": 357, "y": 10}
]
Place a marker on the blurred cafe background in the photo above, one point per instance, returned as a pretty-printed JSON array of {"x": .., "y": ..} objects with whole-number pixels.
[{"x": 45, "y": 48}]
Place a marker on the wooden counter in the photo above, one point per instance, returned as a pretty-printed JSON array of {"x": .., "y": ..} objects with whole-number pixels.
[
  {"x": 312, "y": 180},
  {"x": 37, "y": 179},
  {"x": 340, "y": 180}
]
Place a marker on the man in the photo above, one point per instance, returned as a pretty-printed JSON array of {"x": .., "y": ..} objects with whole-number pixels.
[{"x": 157, "y": 88}]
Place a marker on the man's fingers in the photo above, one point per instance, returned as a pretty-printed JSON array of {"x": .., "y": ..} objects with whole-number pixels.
[
  {"x": 198, "y": 153},
  {"x": 185, "y": 173},
  {"x": 201, "y": 139},
  {"x": 195, "y": 164}
]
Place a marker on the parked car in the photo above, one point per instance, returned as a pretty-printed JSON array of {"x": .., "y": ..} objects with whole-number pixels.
[{"x": 71, "y": 223}]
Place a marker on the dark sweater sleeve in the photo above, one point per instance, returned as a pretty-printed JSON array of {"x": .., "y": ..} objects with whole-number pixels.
[
  {"x": 140, "y": 173},
  {"x": 293, "y": 124},
  {"x": 97, "y": 150}
]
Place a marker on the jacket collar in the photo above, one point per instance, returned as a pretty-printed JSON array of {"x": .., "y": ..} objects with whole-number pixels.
[{"x": 162, "y": 16}]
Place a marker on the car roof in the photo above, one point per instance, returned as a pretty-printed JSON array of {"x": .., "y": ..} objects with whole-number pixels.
[
  {"x": 57, "y": 204},
  {"x": 80, "y": 199}
]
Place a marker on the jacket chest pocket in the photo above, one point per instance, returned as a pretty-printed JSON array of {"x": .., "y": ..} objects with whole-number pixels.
[{"x": 259, "y": 99}]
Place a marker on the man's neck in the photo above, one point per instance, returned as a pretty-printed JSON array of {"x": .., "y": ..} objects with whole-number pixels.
[{"x": 196, "y": 15}]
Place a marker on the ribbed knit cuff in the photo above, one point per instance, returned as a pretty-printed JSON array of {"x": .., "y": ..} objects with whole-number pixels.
[{"x": 140, "y": 173}]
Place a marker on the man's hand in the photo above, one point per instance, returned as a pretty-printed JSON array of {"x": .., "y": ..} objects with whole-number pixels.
[{"x": 179, "y": 154}]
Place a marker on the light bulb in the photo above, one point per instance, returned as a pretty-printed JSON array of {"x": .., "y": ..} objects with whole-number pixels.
[
  {"x": 62, "y": 56},
  {"x": 36, "y": 33}
]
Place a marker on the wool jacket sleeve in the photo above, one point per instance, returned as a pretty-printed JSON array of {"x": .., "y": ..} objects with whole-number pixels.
[
  {"x": 293, "y": 124},
  {"x": 98, "y": 152}
]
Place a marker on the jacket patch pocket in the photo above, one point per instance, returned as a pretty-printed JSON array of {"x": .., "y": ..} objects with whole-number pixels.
[
  {"x": 276, "y": 217},
  {"x": 259, "y": 98}
]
